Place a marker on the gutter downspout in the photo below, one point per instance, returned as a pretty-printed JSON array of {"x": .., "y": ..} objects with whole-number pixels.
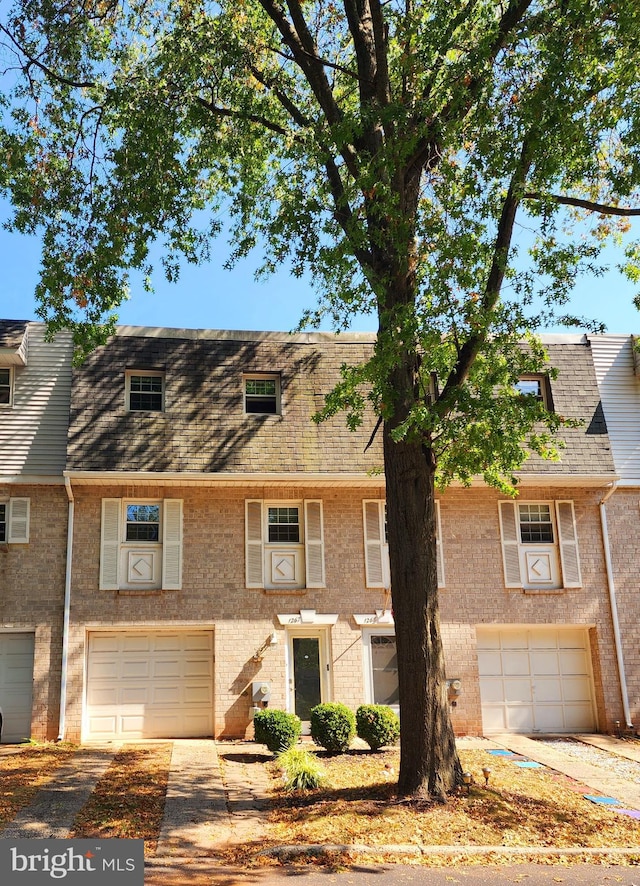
[
  {"x": 67, "y": 608},
  {"x": 614, "y": 606}
]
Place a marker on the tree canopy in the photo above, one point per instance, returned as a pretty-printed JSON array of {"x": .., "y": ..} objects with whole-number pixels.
[{"x": 388, "y": 150}]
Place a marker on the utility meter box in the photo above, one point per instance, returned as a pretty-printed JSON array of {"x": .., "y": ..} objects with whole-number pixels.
[{"x": 261, "y": 693}]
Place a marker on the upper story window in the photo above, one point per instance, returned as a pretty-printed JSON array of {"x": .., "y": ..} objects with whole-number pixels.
[
  {"x": 142, "y": 522},
  {"x": 284, "y": 544},
  {"x": 145, "y": 391},
  {"x": 6, "y": 386},
  {"x": 376, "y": 547},
  {"x": 14, "y": 521},
  {"x": 262, "y": 394},
  {"x": 536, "y": 386},
  {"x": 539, "y": 545},
  {"x": 141, "y": 545}
]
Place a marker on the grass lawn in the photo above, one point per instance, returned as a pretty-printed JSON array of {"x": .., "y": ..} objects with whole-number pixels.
[
  {"x": 518, "y": 808},
  {"x": 23, "y": 773},
  {"x": 128, "y": 800}
]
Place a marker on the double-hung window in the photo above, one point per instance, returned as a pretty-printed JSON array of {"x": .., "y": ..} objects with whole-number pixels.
[
  {"x": 376, "y": 548},
  {"x": 284, "y": 545},
  {"x": 536, "y": 386},
  {"x": 6, "y": 386},
  {"x": 262, "y": 394},
  {"x": 141, "y": 544},
  {"x": 539, "y": 545},
  {"x": 145, "y": 391}
]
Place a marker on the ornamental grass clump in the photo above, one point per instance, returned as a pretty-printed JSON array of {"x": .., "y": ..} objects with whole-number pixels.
[
  {"x": 279, "y": 730},
  {"x": 333, "y": 725},
  {"x": 378, "y": 725},
  {"x": 301, "y": 770}
]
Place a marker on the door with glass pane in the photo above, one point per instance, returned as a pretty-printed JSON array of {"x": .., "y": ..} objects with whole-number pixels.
[{"x": 307, "y": 677}]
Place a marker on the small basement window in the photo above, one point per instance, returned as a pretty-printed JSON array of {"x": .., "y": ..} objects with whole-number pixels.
[
  {"x": 145, "y": 392},
  {"x": 262, "y": 395}
]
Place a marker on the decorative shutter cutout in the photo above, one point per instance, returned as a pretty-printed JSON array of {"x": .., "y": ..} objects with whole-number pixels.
[
  {"x": 568, "y": 539},
  {"x": 19, "y": 510},
  {"x": 172, "y": 544},
  {"x": 314, "y": 544},
  {"x": 254, "y": 557},
  {"x": 439, "y": 555},
  {"x": 510, "y": 544},
  {"x": 110, "y": 543},
  {"x": 374, "y": 546}
]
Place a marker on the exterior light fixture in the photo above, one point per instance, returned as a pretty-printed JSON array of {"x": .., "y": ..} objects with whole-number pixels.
[
  {"x": 467, "y": 778},
  {"x": 486, "y": 771}
]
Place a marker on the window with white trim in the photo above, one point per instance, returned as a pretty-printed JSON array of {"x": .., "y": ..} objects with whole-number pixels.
[
  {"x": 376, "y": 548},
  {"x": 6, "y": 386},
  {"x": 284, "y": 544},
  {"x": 14, "y": 521},
  {"x": 380, "y": 667},
  {"x": 539, "y": 545},
  {"x": 144, "y": 391},
  {"x": 141, "y": 544},
  {"x": 262, "y": 394}
]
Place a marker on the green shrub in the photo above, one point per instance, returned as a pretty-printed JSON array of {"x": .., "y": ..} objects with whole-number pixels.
[
  {"x": 333, "y": 725},
  {"x": 301, "y": 770},
  {"x": 279, "y": 730},
  {"x": 377, "y": 724}
]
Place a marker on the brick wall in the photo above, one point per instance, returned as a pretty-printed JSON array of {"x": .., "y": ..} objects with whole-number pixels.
[
  {"x": 214, "y": 594},
  {"x": 32, "y": 595}
]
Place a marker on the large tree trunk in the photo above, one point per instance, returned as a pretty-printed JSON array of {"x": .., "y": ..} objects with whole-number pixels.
[{"x": 429, "y": 764}]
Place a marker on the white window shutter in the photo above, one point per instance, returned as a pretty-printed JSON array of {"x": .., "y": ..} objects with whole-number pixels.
[
  {"x": 110, "y": 544},
  {"x": 439, "y": 555},
  {"x": 374, "y": 546},
  {"x": 314, "y": 544},
  {"x": 568, "y": 538},
  {"x": 254, "y": 555},
  {"x": 19, "y": 511},
  {"x": 510, "y": 544},
  {"x": 172, "y": 544}
]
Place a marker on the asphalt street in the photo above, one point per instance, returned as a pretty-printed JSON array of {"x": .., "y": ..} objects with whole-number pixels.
[{"x": 201, "y": 874}]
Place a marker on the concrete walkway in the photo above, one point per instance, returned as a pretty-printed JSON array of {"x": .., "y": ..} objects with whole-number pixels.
[
  {"x": 55, "y": 806},
  {"x": 601, "y": 782}
]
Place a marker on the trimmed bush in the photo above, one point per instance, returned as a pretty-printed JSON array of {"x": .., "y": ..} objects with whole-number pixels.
[
  {"x": 301, "y": 770},
  {"x": 279, "y": 730},
  {"x": 333, "y": 725},
  {"x": 377, "y": 724}
]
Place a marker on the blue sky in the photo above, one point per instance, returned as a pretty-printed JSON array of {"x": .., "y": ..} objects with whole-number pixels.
[{"x": 210, "y": 297}]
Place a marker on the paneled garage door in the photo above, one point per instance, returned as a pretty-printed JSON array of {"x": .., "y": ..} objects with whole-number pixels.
[
  {"x": 149, "y": 685},
  {"x": 16, "y": 685},
  {"x": 535, "y": 679}
]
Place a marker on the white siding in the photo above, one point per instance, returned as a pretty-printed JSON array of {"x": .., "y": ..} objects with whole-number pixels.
[
  {"x": 620, "y": 393},
  {"x": 33, "y": 432}
]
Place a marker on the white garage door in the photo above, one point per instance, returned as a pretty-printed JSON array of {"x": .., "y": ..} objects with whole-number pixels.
[
  {"x": 535, "y": 679},
  {"x": 149, "y": 685},
  {"x": 16, "y": 685}
]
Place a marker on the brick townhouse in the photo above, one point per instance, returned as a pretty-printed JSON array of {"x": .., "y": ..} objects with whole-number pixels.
[{"x": 229, "y": 552}]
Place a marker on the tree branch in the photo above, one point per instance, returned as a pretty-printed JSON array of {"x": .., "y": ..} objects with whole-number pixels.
[
  {"x": 602, "y": 208},
  {"x": 236, "y": 115},
  {"x": 32, "y": 60}
]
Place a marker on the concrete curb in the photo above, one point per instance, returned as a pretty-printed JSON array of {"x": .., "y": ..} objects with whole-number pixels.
[{"x": 317, "y": 850}]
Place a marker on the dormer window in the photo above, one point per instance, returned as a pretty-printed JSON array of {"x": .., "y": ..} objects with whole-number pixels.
[
  {"x": 145, "y": 391},
  {"x": 536, "y": 386},
  {"x": 262, "y": 394}
]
